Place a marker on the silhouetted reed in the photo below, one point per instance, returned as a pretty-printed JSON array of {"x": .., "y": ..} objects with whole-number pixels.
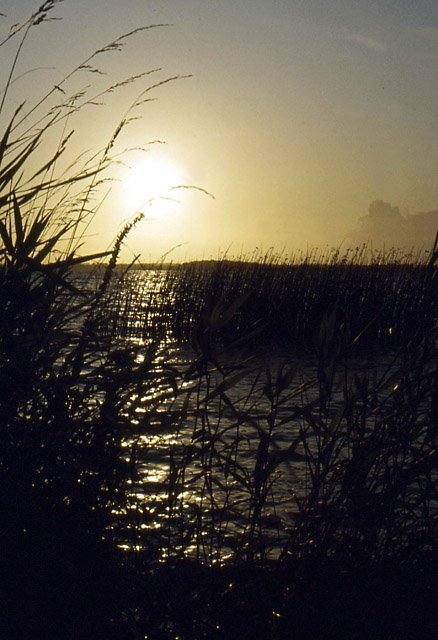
[
  {"x": 151, "y": 489},
  {"x": 64, "y": 389},
  {"x": 382, "y": 298}
]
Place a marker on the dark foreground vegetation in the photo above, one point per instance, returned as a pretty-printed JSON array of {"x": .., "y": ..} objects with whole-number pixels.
[{"x": 300, "y": 508}]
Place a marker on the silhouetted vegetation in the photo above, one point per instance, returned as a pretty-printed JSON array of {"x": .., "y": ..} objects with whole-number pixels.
[
  {"x": 144, "y": 492},
  {"x": 385, "y": 298}
]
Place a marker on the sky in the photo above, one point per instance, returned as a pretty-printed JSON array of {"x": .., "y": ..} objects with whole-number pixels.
[{"x": 297, "y": 116}]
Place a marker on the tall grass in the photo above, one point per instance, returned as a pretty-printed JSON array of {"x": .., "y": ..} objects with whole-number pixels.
[
  {"x": 147, "y": 496},
  {"x": 385, "y": 299},
  {"x": 299, "y": 494},
  {"x": 63, "y": 388},
  {"x": 298, "y": 489}
]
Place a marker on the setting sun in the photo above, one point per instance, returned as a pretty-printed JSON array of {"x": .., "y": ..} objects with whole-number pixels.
[{"x": 150, "y": 185}]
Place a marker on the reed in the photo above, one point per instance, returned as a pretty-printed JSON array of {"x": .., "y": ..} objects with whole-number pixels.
[
  {"x": 296, "y": 487},
  {"x": 383, "y": 299},
  {"x": 144, "y": 491},
  {"x": 65, "y": 392}
]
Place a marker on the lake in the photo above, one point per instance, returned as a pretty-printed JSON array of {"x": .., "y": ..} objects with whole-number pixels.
[{"x": 235, "y": 444}]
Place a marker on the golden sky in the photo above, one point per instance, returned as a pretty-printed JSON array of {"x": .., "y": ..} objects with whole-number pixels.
[{"x": 297, "y": 116}]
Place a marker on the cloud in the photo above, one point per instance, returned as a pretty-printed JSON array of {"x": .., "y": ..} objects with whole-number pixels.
[{"x": 366, "y": 41}]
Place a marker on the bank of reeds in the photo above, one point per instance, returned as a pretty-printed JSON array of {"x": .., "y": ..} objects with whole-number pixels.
[
  {"x": 300, "y": 495},
  {"x": 297, "y": 491},
  {"x": 142, "y": 496},
  {"x": 384, "y": 298}
]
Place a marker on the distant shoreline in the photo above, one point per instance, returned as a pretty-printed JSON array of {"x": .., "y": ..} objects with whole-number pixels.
[{"x": 208, "y": 264}]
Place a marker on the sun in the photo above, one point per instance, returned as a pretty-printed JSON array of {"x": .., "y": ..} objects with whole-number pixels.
[{"x": 150, "y": 185}]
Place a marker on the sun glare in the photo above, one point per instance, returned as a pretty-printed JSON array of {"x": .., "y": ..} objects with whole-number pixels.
[{"x": 149, "y": 185}]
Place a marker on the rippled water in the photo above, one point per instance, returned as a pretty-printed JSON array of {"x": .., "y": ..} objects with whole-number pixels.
[
  {"x": 218, "y": 470},
  {"x": 209, "y": 462}
]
